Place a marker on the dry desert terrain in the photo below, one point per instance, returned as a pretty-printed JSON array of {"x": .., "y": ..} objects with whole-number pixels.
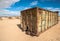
[{"x": 9, "y": 31}]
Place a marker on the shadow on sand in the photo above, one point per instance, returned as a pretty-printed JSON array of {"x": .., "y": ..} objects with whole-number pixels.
[
  {"x": 26, "y": 32},
  {"x": 19, "y": 26}
]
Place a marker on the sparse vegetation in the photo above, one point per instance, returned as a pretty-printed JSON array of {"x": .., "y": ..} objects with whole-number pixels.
[
  {"x": 10, "y": 17},
  {"x": 17, "y": 17},
  {"x": 0, "y": 18}
]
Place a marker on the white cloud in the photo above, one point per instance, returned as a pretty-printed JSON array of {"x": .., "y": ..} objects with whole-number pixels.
[
  {"x": 34, "y": 3},
  {"x": 7, "y": 3},
  {"x": 27, "y": 7},
  {"x": 31, "y": 4},
  {"x": 49, "y": 8},
  {"x": 4, "y": 12}
]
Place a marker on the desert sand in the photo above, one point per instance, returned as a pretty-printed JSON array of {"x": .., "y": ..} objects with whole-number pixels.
[{"x": 9, "y": 31}]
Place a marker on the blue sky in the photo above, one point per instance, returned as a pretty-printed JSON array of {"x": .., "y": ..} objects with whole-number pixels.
[{"x": 13, "y": 7}]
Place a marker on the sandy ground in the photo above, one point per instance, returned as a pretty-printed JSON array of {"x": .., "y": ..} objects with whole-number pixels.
[{"x": 9, "y": 31}]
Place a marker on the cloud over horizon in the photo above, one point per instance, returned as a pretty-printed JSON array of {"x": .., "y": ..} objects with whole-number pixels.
[
  {"x": 9, "y": 13},
  {"x": 6, "y": 4}
]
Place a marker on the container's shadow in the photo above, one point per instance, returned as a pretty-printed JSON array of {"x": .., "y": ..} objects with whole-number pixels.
[{"x": 19, "y": 26}]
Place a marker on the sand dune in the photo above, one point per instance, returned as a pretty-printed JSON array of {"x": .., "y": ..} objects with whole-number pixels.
[{"x": 9, "y": 31}]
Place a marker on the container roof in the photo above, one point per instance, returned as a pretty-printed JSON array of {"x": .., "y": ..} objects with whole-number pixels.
[{"x": 40, "y": 9}]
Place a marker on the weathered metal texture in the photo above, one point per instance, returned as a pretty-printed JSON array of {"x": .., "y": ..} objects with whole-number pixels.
[{"x": 37, "y": 20}]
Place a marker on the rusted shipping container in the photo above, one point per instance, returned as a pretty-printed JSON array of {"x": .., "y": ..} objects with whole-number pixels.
[{"x": 37, "y": 20}]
